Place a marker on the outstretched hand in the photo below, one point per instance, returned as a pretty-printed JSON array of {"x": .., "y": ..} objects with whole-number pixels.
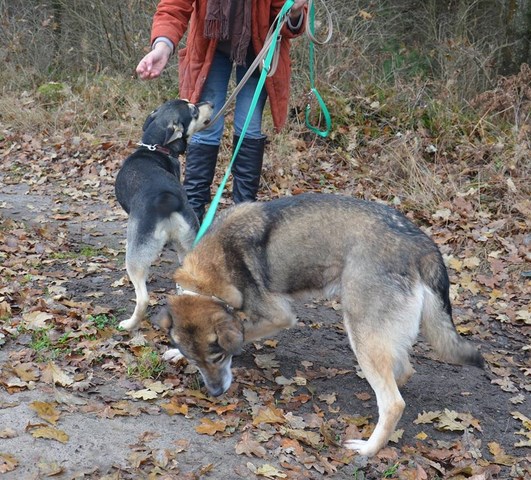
[{"x": 153, "y": 63}]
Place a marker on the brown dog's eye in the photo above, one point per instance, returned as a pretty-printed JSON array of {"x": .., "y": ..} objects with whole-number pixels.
[{"x": 218, "y": 358}]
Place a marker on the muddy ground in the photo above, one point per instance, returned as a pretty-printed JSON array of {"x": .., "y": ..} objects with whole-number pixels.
[{"x": 144, "y": 441}]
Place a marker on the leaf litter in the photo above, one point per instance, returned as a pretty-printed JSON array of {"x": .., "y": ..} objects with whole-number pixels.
[{"x": 61, "y": 252}]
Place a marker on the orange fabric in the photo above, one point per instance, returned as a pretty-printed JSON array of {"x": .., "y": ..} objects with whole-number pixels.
[{"x": 174, "y": 17}]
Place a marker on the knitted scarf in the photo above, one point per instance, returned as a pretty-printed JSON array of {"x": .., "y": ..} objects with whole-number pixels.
[{"x": 218, "y": 23}]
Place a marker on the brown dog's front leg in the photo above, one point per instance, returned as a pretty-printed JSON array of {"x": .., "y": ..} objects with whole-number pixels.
[{"x": 260, "y": 324}]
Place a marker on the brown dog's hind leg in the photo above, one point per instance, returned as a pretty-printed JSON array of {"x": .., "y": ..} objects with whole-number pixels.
[{"x": 375, "y": 357}]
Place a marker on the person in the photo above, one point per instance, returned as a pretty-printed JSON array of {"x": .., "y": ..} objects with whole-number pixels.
[{"x": 221, "y": 34}]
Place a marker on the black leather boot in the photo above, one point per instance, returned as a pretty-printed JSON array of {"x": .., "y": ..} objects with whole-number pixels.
[
  {"x": 198, "y": 175},
  {"x": 247, "y": 168}
]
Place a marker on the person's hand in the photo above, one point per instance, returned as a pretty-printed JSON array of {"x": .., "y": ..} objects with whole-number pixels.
[
  {"x": 153, "y": 63},
  {"x": 297, "y": 8}
]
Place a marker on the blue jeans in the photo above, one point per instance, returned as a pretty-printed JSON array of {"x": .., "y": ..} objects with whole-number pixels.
[{"x": 215, "y": 91}]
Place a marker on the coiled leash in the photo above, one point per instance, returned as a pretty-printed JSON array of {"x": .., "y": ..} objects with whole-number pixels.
[{"x": 268, "y": 57}]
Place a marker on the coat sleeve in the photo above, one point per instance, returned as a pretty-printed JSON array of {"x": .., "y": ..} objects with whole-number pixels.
[
  {"x": 171, "y": 19},
  {"x": 276, "y": 6}
]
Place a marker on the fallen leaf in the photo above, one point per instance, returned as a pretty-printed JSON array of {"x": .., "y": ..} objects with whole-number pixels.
[
  {"x": 427, "y": 417},
  {"x": 49, "y": 469},
  {"x": 248, "y": 446},
  {"x": 448, "y": 420},
  {"x": 363, "y": 396},
  {"x": 517, "y": 399},
  {"x": 266, "y": 361},
  {"x": 8, "y": 462},
  {"x": 175, "y": 408},
  {"x": 209, "y": 427},
  {"x": 144, "y": 394},
  {"x": 36, "y": 320},
  {"x": 365, "y": 15},
  {"x": 27, "y": 372},
  {"x": 329, "y": 399},
  {"x": 266, "y": 470},
  {"x": 506, "y": 384},
  {"x": 520, "y": 416},
  {"x": 397, "y": 435},
  {"x": 221, "y": 409},
  {"x": 305, "y": 436},
  {"x": 46, "y": 411},
  {"x": 50, "y": 433},
  {"x": 157, "y": 387},
  {"x": 269, "y": 415},
  {"x": 181, "y": 445},
  {"x": 8, "y": 433},
  {"x": 54, "y": 375},
  {"x": 500, "y": 457}
]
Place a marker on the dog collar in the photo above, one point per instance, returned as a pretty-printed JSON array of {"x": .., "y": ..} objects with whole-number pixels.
[
  {"x": 155, "y": 148},
  {"x": 182, "y": 291}
]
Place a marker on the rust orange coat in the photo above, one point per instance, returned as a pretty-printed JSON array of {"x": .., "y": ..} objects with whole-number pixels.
[{"x": 174, "y": 17}]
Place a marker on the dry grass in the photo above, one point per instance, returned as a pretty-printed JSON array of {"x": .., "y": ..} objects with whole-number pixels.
[{"x": 418, "y": 116}]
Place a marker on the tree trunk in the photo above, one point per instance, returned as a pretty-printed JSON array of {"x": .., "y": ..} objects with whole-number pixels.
[{"x": 518, "y": 31}]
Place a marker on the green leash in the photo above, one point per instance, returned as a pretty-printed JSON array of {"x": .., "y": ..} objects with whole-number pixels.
[
  {"x": 209, "y": 216},
  {"x": 313, "y": 90}
]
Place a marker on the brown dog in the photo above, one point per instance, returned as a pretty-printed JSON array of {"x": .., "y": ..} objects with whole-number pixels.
[{"x": 390, "y": 277}]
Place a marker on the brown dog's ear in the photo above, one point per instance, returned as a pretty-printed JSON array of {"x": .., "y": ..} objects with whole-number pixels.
[
  {"x": 163, "y": 320},
  {"x": 230, "y": 333}
]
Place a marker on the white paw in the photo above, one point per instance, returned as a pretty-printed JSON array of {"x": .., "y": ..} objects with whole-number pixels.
[
  {"x": 363, "y": 447},
  {"x": 172, "y": 355},
  {"x": 129, "y": 324}
]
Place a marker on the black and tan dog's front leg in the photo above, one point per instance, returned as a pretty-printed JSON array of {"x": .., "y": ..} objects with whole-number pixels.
[{"x": 267, "y": 317}]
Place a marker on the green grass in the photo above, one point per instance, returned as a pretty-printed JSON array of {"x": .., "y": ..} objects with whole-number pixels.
[
  {"x": 148, "y": 364},
  {"x": 40, "y": 340},
  {"x": 391, "y": 471},
  {"x": 45, "y": 348},
  {"x": 103, "y": 321},
  {"x": 86, "y": 251}
]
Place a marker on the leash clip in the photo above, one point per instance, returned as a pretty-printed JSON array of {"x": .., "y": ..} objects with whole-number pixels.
[{"x": 151, "y": 148}]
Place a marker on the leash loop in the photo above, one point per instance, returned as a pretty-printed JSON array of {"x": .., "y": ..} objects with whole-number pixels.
[
  {"x": 310, "y": 30},
  {"x": 324, "y": 111},
  {"x": 310, "y": 25}
]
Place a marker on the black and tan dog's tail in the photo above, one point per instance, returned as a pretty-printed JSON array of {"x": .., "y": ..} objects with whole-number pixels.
[{"x": 437, "y": 324}]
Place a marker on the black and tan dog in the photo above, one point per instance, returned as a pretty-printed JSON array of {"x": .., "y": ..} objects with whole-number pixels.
[
  {"x": 389, "y": 275},
  {"x": 148, "y": 188}
]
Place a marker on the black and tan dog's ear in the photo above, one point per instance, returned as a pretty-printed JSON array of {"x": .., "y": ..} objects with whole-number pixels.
[
  {"x": 230, "y": 333},
  {"x": 163, "y": 320},
  {"x": 149, "y": 119},
  {"x": 174, "y": 131}
]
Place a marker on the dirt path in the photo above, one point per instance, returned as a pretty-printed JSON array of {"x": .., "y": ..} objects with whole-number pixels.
[{"x": 293, "y": 399}]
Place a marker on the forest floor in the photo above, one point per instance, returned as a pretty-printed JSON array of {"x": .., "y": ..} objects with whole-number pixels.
[{"x": 81, "y": 399}]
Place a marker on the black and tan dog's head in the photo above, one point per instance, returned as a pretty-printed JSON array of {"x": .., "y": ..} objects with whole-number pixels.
[
  {"x": 207, "y": 333},
  {"x": 172, "y": 123}
]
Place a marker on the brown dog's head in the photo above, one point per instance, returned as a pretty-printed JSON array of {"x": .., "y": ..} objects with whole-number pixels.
[{"x": 207, "y": 333}]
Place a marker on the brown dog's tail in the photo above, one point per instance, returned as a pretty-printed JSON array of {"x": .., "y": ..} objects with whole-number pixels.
[{"x": 437, "y": 324}]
